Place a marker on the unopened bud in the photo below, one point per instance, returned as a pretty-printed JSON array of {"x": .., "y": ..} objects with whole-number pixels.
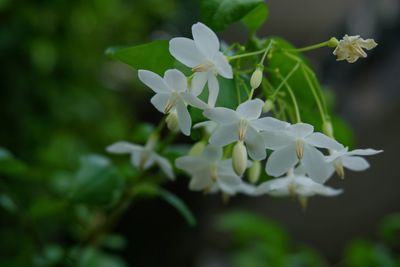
[
  {"x": 268, "y": 105},
  {"x": 256, "y": 78},
  {"x": 239, "y": 158},
  {"x": 172, "y": 121},
  {"x": 255, "y": 172},
  {"x": 197, "y": 149},
  {"x": 333, "y": 42},
  {"x": 327, "y": 128}
]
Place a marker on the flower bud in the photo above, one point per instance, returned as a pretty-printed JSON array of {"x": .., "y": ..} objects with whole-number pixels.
[
  {"x": 254, "y": 172},
  {"x": 197, "y": 149},
  {"x": 268, "y": 105},
  {"x": 239, "y": 158},
  {"x": 256, "y": 78},
  {"x": 172, "y": 121},
  {"x": 327, "y": 128},
  {"x": 333, "y": 42}
]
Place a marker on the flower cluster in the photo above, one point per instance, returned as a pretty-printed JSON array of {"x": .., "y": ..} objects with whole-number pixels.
[{"x": 299, "y": 160}]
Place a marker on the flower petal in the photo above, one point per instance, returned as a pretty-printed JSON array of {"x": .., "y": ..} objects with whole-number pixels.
[
  {"x": 280, "y": 161},
  {"x": 199, "y": 82},
  {"x": 205, "y": 39},
  {"x": 201, "y": 181},
  {"x": 194, "y": 101},
  {"x": 224, "y": 134},
  {"x": 255, "y": 144},
  {"x": 213, "y": 90},
  {"x": 229, "y": 183},
  {"x": 221, "y": 115},
  {"x": 355, "y": 163},
  {"x": 191, "y": 164},
  {"x": 276, "y": 139},
  {"x": 314, "y": 164},
  {"x": 123, "y": 147},
  {"x": 269, "y": 124},
  {"x": 300, "y": 130},
  {"x": 153, "y": 81},
  {"x": 250, "y": 109},
  {"x": 176, "y": 80},
  {"x": 323, "y": 141},
  {"x": 212, "y": 153},
  {"x": 364, "y": 152},
  {"x": 185, "y": 51},
  {"x": 184, "y": 119},
  {"x": 159, "y": 101},
  {"x": 222, "y": 65},
  {"x": 165, "y": 166}
]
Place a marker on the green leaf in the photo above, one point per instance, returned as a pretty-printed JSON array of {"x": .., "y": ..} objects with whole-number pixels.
[
  {"x": 390, "y": 229},
  {"x": 152, "y": 56},
  {"x": 256, "y": 18},
  {"x": 96, "y": 183},
  {"x": 10, "y": 165},
  {"x": 219, "y": 14},
  {"x": 154, "y": 190}
]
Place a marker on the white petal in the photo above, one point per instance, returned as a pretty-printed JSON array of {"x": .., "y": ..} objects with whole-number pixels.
[
  {"x": 159, "y": 101},
  {"x": 314, "y": 164},
  {"x": 221, "y": 115},
  {"x": 255, "y": 144},
  {"x": 364, "y": 152},
  {"x": 276, "y": 140},
  {"x": 280, "y": 161},
  {"x": 212, "y": 153},
  {"x": 209, "y": 125},
  {"x": 191, "y": 164},
  {"x": 184, "y": 119},
  {"x": 199, "y": 82},
  {"x": 201, "y": 181},
  {"x": 194, "y": 101},
  {"x": 323, "y": 141},
  {"x": 123, "y": 147},
  {"x": 136, "y": 158},
  {"x": 355, "y": 163},
  {"x": 213, "y": 90},
  {"x": 165, "y": 166},
  {"x": 153, "y": 81},
  {"x": 300, "y": 130},
  {"x": 251, "y": 109},
  {"x": 224, "y": 134},
  {"x": 222, "y": 65},
  {"x": 269, "y": 124},
  {"x": 176, "y": 80},
  {"x": 205, "y": 39},
  {"x": 229, "y": 183},
  {"x": 327, "y": 191},
  {"x": 185, "y": 51}
]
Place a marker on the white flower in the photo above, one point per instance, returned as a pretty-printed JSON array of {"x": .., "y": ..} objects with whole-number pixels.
[
  {"x": 142, "y": 157},
  {"x": 350, "y": 48},
  {"x": 172, "y": 95},
  {"x": 203, "y": 56},
  {"x": 210, "y": 173},
  {"x": 295, "y": 185},
  {"x": 340, "y": 159},
  {"x": 298, "y": 142},
  {"x": 243, "y": 124}
]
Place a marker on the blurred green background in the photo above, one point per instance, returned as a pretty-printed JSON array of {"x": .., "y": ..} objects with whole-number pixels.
[{"x": 61, "y": 98}]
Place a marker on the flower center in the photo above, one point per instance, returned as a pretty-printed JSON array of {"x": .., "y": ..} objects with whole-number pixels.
[
  {"x": 338, "y": 164},
  {"x": 171, "y": 102},
  {"x": 203, "y": 67},
  {"x": 243, "y": 124},
  {"x": 299, "y": 148}
]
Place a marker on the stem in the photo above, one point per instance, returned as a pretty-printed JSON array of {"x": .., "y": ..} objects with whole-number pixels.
[
  {"x": 265, "y": 51},
  {"x": 293, "y": 97},
  {"x": 284, "y": 81},
  {"x": 314, "y": 92},
  {"x": 308, "y": 48}
]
